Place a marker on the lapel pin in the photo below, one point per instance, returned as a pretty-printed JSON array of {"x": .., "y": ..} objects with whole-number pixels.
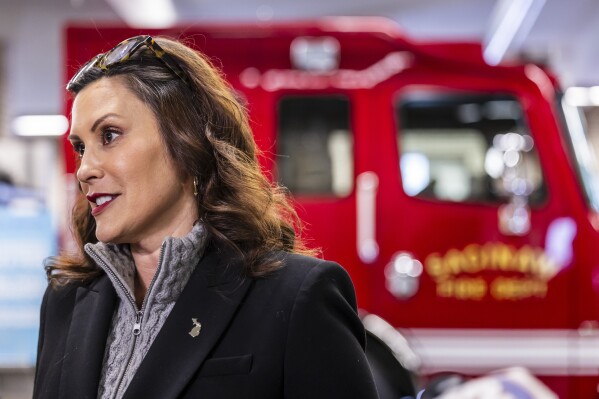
[{"x": 195, "y": 331}]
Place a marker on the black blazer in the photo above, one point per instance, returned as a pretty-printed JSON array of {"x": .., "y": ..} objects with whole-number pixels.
[{"x": 293, "y": 334}]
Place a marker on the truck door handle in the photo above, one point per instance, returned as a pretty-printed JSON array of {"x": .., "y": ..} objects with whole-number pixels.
[{"x": 367, "y": 186}]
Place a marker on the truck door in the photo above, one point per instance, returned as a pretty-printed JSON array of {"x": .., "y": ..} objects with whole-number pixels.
[{"x": 472, "y": 250}]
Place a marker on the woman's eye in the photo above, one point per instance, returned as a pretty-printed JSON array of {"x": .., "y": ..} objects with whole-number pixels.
[
  {"x": 108, "y": 136},
  {"x": 79, "y": 149}
]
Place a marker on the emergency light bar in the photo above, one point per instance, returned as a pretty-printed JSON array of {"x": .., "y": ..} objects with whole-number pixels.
[{"x": 317, "y": 54}]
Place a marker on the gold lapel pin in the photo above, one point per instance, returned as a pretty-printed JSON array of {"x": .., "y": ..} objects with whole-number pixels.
[{"x": 195, "y": 331}]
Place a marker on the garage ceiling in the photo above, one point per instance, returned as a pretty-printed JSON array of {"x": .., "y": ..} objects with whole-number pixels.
[{"x": 561, "y": 33}]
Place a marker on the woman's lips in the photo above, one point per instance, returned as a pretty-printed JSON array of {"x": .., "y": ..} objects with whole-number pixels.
[{"x": 105, "y": 202}]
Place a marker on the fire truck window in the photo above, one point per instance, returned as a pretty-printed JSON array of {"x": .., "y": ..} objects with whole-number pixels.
[
  {"x": 467, "y": 149},
  {"x": 315, "y": 146}
]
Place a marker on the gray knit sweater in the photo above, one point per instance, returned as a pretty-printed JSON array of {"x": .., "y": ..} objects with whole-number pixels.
[{"x": 133, "y": 330}]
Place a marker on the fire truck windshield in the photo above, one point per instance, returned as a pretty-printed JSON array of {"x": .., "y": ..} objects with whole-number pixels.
[
  {"x": 582, "y": 152},
  {"x": 466, "y": 147}
]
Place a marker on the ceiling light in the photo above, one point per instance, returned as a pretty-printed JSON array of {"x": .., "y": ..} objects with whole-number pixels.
[
  {"x": 40, "y": 125},
  {"x": 582, "y": 96},
  {"x": 510, "y": 23},
  {"x": 146, "y": 13}
]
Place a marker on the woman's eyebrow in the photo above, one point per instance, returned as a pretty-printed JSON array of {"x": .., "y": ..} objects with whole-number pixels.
[
  {"x": 102, "y": 119},
  {"x": 73, "y": 137}
]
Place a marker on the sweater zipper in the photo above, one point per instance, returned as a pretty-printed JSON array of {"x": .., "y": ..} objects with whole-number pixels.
[{"x": 138, "y": 312}]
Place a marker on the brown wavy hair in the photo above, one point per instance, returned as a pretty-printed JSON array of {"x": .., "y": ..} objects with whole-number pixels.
[{"x": 207, "y": 134}]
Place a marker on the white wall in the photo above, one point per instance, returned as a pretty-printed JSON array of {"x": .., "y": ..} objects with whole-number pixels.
[
  {"x": 32, "y": 33},
  {"x": 31, "y": 38}
]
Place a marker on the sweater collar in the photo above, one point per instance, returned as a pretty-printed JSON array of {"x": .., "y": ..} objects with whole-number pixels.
[{"x": 178, "y": 259}]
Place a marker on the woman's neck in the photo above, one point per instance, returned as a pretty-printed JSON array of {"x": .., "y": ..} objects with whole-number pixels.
[
  {"x": 146, "y": 265},
  {"x": 146, "y": 255}
]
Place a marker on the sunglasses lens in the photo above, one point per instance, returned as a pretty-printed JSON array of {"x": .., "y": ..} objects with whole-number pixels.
[{"x": 119, "y": 53}]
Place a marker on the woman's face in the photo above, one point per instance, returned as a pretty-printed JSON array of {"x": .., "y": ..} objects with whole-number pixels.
[{"x": 133, "y": 189}]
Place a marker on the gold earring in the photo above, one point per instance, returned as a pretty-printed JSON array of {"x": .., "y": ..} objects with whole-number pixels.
[{"x": 195, "y": 186}]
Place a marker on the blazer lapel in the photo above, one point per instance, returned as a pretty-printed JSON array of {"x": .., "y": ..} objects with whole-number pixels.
[
  {"x": 86, "y": 340},
  {"x": 211, "y": 297}
]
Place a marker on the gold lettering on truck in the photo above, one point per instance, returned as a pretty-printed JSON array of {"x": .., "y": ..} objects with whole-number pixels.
[
  {"x": 493, "y": 269},
  {"x": 463, "y": 288}
]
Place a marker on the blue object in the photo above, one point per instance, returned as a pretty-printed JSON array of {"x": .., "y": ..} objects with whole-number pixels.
[{"x": 27, "y": 237}]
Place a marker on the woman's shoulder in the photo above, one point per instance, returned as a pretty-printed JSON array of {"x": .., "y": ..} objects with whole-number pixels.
[
  {"x": 302, "y": 265},
  {"x": 293, "y": 259},
  {"x": 302, "y": 271}
]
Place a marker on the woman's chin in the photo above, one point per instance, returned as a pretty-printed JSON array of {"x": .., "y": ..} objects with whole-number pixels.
[{"x": 107, "y": 237}]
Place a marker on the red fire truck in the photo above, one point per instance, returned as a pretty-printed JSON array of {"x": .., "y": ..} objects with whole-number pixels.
[{"x": 462, "y": 198}]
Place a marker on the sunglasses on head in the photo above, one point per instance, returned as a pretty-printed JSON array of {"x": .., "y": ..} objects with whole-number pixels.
[{"x": 122, "y": 52}]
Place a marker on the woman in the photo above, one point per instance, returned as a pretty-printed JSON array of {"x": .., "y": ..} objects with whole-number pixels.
[{"x": 190, "y": 281}]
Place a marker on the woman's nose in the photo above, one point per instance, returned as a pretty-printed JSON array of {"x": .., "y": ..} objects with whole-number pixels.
[{"x": 89, "y": 168}]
